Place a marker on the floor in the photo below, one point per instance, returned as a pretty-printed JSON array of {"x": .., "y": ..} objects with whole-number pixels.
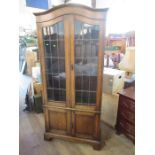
[{"x": 31, "y": 131}]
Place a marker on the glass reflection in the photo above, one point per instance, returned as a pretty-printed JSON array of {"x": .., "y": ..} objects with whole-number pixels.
[
  {"x": 53, "y": 37},
  {"x": 86, "y": 61}
]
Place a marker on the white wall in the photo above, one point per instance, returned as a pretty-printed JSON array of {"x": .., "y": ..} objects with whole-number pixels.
[
  {"x": 83, "y": 2},
  {"x": 55, "y": 2},
  {"x": 26, "y": 17},
  {"x": 121, "y": 15},
  {"x": 104, "y": 3},
  {"x": 58, "y": 2}
]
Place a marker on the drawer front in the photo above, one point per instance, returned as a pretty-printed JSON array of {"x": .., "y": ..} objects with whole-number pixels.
[
  {"x": 127, "y": 103},
  {"x": 127, "y": 127},
  {"x": 126, "y": 114}
]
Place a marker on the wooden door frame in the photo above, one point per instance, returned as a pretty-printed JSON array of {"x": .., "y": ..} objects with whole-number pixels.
[
  {"x": 100, "y": 62},
  {"x": 42, "y": 60},
  {"x": 94, "y": 108},
  {"x": 52, "y": 104}
]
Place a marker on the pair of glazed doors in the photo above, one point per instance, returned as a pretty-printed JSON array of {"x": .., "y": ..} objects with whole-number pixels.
[{"x": 71, "y": 52}]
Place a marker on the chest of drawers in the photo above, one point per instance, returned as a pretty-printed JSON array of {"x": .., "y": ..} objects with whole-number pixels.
[{"x": 126, "y": 113}]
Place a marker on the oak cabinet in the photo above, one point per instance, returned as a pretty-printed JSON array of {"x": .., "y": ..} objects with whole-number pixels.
[{"x": 71, "y": 46}]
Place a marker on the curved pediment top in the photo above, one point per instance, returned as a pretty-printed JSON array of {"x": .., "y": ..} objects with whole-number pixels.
[
  {"x": 67, "y": 9},
  {"x": 70, "y": 6}
]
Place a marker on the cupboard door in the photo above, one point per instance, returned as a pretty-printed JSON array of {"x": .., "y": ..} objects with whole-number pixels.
[
  {"x": 54, "y": 55},
  {"x": 85, "y": 124},
  {"x": 58, "y": 120},
  {"x": 86, "y": 47}
]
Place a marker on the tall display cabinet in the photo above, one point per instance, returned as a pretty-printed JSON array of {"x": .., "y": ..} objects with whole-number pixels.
[{"x": 71, "y": 44}]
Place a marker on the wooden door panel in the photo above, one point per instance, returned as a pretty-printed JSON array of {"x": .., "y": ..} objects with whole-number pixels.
[
  {"x": 59, "y": 120},
  {"x": 84, "y": 124}
]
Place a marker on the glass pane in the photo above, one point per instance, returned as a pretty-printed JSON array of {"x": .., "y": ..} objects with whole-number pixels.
[
  {"x": 93, "y": 83},
  {"x": 54, "y": 48},
  {"x": 78, "y": 83},
  {"x": 94, "y": 48},
  {"x": 50, "y": 94},
  {"x": 62, "y": 95},
  {"x": 60, "y": 30},
  {"x": 86, "y": 62},
  {"x": 78, "y": 96},
  {"x": 55, "y": 66},
  {"x": 61, "y": 48},
  {"x": 46, "y": 33},
  {"x": 50, "y": 81},
  {"x": 61, "y": 65},
  {"x": 56, "y": 82},
  {"x": 86, "y": 31},
  {"x": 47, "y": 48},
  {"x": 92, "y": 97},
  {"x": 85, "y": 82},
  {"x": 56, "y": 95},
  {"x": 53, "y": 37},
  {"x": 62, "y": 82},
  {"x": 85, "y": 97},
  {"x": 86, "y": 48},
  {"x": 48, "y": 65},
  {"x": 78, "y": 30},
  {"x": 53, "y": 32},
  {"x": 78, "y": 48}
]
